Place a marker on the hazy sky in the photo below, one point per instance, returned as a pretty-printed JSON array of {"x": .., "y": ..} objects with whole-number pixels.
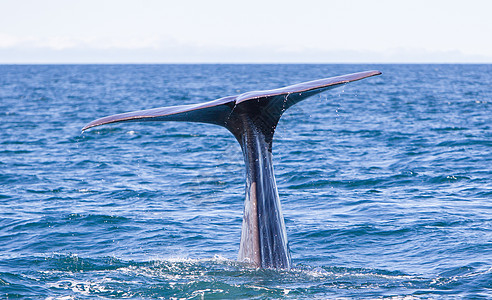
[{"x": 245, "y": 31}]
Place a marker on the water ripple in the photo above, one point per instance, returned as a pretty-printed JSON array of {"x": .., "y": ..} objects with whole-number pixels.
[{"x": 385, "y": 185}]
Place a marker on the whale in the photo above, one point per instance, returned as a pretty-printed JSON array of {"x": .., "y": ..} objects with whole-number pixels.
[{"x": 252, "y": 118}]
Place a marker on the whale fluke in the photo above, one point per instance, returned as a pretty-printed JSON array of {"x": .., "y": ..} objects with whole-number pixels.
[
  {"x": 217, "y": 111},
  {"x": 252, "y": 118}
]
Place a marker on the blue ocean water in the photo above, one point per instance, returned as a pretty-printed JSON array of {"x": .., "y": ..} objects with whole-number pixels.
[{"x": 385, "y": 183}]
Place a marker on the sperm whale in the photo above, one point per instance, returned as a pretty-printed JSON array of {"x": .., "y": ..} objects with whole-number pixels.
[{"x": 252, "y": 118}]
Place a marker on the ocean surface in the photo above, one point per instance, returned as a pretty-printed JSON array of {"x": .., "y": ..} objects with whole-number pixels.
[{"x": 385, "y": 184}]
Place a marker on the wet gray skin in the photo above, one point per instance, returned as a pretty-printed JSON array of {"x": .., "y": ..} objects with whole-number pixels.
[{"x": 252, "y": 118}]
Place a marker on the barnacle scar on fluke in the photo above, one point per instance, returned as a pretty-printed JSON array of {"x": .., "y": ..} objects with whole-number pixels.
[{"x": 251, "y": 117}]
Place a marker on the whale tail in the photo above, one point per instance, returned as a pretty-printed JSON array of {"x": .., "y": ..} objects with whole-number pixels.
[
  {"x": 252, "y": 118},
  {"x": 267, "y": 105}
]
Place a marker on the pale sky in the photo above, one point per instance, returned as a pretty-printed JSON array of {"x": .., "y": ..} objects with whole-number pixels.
[{"x": 216, "y": 31}]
